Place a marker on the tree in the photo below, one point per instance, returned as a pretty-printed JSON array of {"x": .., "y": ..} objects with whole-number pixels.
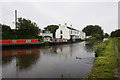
[
  {"x": 97, "y": 36},
  {"x": 93, "y": 29},
  {"x": 106, "y": 35},
  {"x": 52, "y": 28},
  {"x": 27, "y": 29},
  {"x": 7, "y": 32},
  {"x": 115, "y": 33}
]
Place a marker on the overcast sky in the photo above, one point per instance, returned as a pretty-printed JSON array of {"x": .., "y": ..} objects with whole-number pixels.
[{"x": 79, "y": 14}]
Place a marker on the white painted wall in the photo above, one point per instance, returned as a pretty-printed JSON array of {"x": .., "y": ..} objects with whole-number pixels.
[
  {"x": 47, "y": 38},
  {"x": 65, "y": 32},
  {"x": 82, "y": 35},
  {"x": 47, "y": 34}
]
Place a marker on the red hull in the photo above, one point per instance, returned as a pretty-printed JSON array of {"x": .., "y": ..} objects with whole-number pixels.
[{"x": 19, "y": 41}]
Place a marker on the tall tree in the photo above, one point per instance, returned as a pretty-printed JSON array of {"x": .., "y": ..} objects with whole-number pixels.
[
  {"x": 7, "y": 32},
  {"x": 115, "y": 33},
  {"x": 27, "y": 29},
  {"x": 52, "y": 28},
  {"x": 93, "y": 30}
]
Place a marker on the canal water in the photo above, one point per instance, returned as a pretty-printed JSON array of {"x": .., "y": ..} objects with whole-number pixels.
[{"x": 70, "y": 60}]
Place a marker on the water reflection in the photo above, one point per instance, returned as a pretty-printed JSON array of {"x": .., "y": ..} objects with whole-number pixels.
[
  {"x": 25, "y": 61},
  {"x": 6, "y": 59},
  {"x": 24, "y": 58},
  {"x": 49, "y": 61},
  {"x": 89, "y": 45}
]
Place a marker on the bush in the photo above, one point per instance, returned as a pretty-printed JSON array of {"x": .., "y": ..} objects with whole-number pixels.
[
  {"x": 92, "y": 38},
  {"x": 7, "y": 32},
  {"x": 46, "y": 43},
  {"x": 106, "y": 35},
  {"x": 115, "y": 33},
  {"x": 40, "y": 40},
  {"x": 98, "y": 36},
  {"x": 99, "y": 48}
]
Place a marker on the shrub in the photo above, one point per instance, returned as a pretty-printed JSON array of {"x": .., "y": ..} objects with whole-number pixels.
[
  {"x": 40, "y": 40},
  {"x": 115, "y": 33},
  {"x": 46, "y": 43},
  {"x": 99, "y": 48},
  {"x": 98, "y": 36}
]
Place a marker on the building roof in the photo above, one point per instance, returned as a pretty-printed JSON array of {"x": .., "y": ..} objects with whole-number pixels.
[{"x": 72, "y": 28}]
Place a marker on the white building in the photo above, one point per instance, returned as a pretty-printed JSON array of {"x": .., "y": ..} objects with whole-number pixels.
[
  {"x": 82, "y": 35},
  {"x": 46, "y": 35},
  {"x": 65, "y": 32}
]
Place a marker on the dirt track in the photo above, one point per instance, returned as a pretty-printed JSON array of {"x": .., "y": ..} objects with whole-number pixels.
[{"x": 117, "y": 70}]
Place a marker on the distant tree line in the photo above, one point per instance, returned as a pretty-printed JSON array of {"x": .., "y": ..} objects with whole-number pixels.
[
  {"x": 94, "y": 31},
  {"x": 25, "y": 30},
  {"x": 115, "y": 33}
]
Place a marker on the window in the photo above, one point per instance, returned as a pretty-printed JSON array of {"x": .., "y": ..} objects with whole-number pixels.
[
  {"x": 61, "y": 32},
  {"x": 28, "y": 41},
  {"x": 13, "y": 41},
  {"x": 61, "y": 37}
]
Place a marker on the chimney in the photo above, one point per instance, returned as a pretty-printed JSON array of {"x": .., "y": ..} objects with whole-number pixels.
[
  {"x": 65, "y": 24},
  {"x": 71, "y": 25},
  {"x": 59, "y": 24}
]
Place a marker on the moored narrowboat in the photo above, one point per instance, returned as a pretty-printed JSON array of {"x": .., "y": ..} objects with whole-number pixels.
[
  {"x": 59, "y": 41},
  {"x": 20, "y": 42}
]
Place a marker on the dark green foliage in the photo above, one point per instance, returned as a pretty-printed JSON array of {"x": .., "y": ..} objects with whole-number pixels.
[
  {"x": 7, "y": 32},
  {"x": 27, "y": 29},
  {"x": 115, "y": 33},
  {"x": 93, "y": 30},
  {"x": 46, "y": 43},
  {"x": 106, "y": 35},
  {"x": 52, "y": 28},
  {"x": 100, "y": 48},
  {"x": 40, "y": 40},
  {"x": 98, "y": 36},
  {"x": 61, "y": 75}
]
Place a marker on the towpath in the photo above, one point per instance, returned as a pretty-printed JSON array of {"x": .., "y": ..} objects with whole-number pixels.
[{"x": 117, "y": 70}]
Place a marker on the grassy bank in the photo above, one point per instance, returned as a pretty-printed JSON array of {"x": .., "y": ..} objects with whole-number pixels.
[{"x": 105, "y": 61}]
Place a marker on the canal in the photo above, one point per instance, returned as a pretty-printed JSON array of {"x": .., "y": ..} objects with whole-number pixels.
[{"x": 70, "y": 60}]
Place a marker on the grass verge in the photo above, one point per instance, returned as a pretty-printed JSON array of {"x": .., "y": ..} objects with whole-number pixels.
[{"x": 104, "y": 63}]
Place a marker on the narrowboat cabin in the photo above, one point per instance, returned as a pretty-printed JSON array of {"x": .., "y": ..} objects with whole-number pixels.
[{"x": 20, "y": 42}]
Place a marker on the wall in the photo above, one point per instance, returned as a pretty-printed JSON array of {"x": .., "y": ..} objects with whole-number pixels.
[{"x": 65, "y": 32}]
